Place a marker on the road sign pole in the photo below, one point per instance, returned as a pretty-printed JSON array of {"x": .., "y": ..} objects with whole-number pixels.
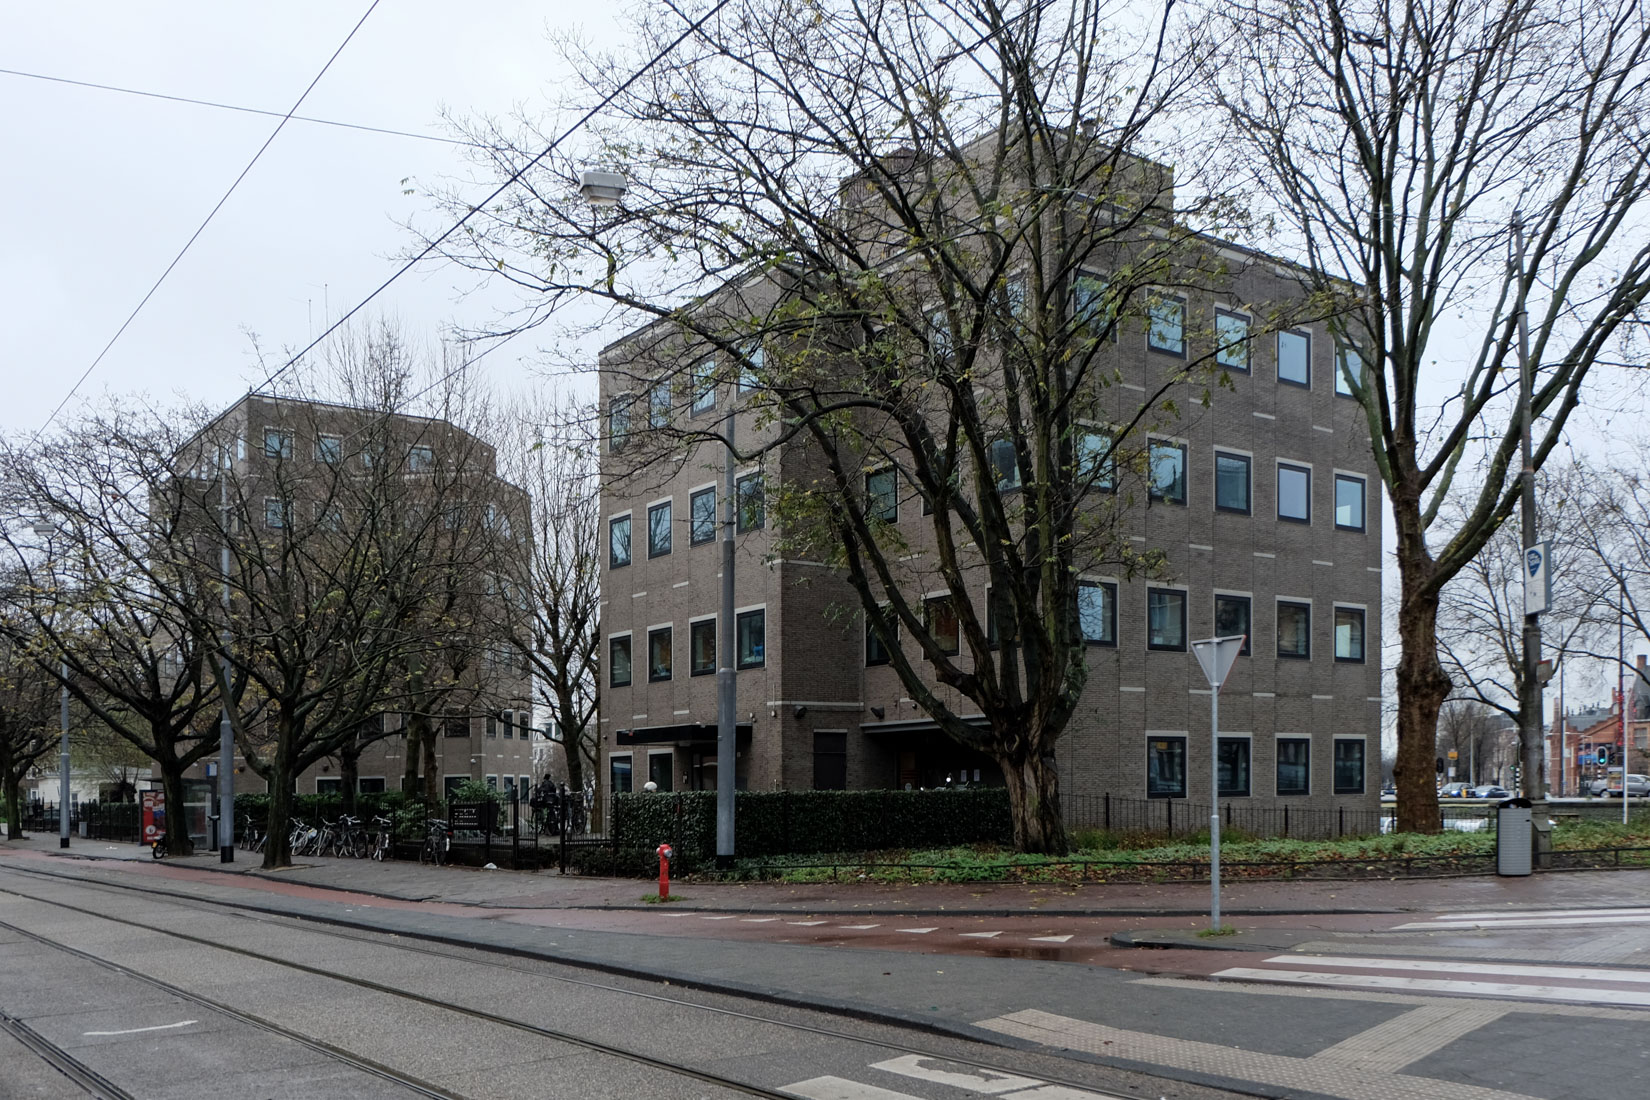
[{"x": 1214, "y": 807}]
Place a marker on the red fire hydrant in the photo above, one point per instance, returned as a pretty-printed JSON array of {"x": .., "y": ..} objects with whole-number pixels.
[{"x": 664, "y": 871}]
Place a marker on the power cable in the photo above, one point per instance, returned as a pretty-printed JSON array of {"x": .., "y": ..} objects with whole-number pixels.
[
  {"x": 201, "y": 228},
  {"x": 236, "y": 107}
]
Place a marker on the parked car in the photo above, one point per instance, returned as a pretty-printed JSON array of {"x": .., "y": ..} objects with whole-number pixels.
[
  {"x": 1491, "y": 790},
  {"x": 1638, "y": 786},
  {"x": 1454, "y": 790},
  {"x": 1597, "y": 787}
]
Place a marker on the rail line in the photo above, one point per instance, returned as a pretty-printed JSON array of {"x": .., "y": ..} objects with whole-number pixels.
[
  {"x": 94, "y": 1083},
  {"x": 399, "y": 944}
]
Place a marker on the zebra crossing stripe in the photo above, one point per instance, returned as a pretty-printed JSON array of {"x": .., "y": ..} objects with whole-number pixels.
[
  {"x": 1527, "y": 914},
  {"x": 1505, "y": 990},
  {"x": 915, "y": 931},
  {"x": 1519, "y": 922},
  {"x": 982, "y": 935},
  {"x": 1051, "y": 939},
  {"x": 1509, "y": 970}
]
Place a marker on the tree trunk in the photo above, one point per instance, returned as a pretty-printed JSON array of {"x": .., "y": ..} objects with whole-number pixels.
[
  {"x": 429, "y": 767},
  {"x": 1423, "y": 685},
  {"x": 177, "y": 828},
  {"x": 1034, "y": 802},
  {"x": 278, "y": 825},
  {"x": 417, "y": 729},
  {"x": 349, "y": 774},
  {"x": 14, "y": 801}
]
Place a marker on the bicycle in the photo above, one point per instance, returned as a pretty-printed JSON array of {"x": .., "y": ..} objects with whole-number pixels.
[
  {"x": 352, "y": 839},
  {"x": 157, "y": 847},
  {"x": 381, "y": 841},
  {"x": 438, "y": 840}
]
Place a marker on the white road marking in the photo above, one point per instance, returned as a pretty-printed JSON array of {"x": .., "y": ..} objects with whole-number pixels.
[
  {"x": 135, "y": 1030},
  {"x": 728, "y": 917},
  {"x": 981, "y": 935},
  {"x": 1508, "y": 970},
  {"x": 758, "y": 920},
  {"x": 861, "y": 927},
  {"x": 1446, "y": 985},
  {"x": 839, "y": 1088},
  {"x": 989, "y": 1083},
  {"x": 1522, "y": 922},
  {"x": 916, "y": 931},
  {"x": 1051, "y": 939},
  {"x": 1519, "y": 914},
  {"x": 806, "y": 923}
]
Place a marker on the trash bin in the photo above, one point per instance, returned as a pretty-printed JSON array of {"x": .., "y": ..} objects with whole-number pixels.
[{"x": 1514, "y": 836}]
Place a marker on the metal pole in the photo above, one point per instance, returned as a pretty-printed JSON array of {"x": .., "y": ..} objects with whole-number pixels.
[
  {"x": 1621, "y": 659},
  {"x": 226, "y": 725},
  {"x": 1563, "y": 749},
  {"x": 63, "y": 761},
  {"x": 1529, "y": 690},
  {"x": 726, "y": 683},
  {"x": 1214, "y": 807}
]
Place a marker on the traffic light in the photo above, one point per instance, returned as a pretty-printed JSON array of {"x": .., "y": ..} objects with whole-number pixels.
[
  {"x": 1603, "y": 756},
  {"x": 1440, "y": 765}
]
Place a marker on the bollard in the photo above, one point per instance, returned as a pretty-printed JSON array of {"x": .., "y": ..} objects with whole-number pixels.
[{"x": 664, "y": 872}]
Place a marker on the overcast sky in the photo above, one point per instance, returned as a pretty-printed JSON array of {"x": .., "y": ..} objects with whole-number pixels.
[{"x": 101, "y": 189}]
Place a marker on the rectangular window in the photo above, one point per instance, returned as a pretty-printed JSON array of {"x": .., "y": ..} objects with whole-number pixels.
[
  {"x": 702, "y": 646},
  {"x": 618, "y": 661},
  {"x": 329, "y": 449},
  {"x": 1349, "y": 765},
  {"x": 1165, "y": 767},
  {"x": 749, "y": 504},
  {"x": 370, "y": 785},
  {"x": 1168, "y": 472},
  {"x": 1232, "y": 340},
  {"x": 1166, "y": 331},
  {"x": 420, "y": 459},
  {"x": 277, "y": 443},
  {"x": 1089, "y": 305},
  {"x": 1165, "y": 619},
  {"x": 750, "y": 637},
  {"x": 658, "y": 654},
  {"x": 1096, "y": 463},
  {"x": 992, "y": 638},
  {"x": 830, "y": 760},
  {"x": 507, "y": 723},
  {"x": 875, "y": 652},
  {"x": 704, "y": 386},
  {"x": 658, "y": 404},
  {"x": 618, "y": 422},
  {"x": 277, "y": 513},
  {"x": 1294, "y": 493},
  {"x": 940, "y": 340},
  {"x": 750, "y": 369},
  {"x": 1232, "y": 617},
  {"x": 491, "y": 725},
  {"x": 1097, "y": 611},
  {"x": 618, "y": 770},
  {"x": 661, "y": 770},
  {"x": 1349, "y": 368},
  {"x": 328, "y": 785},
  {"x": 618, "y": 542},
  {"x": 658, "y": 530},
  {"x": 1232, "y": 766},
  {"x": 1294, "y": 630},
  {"x": 1231, "y": 482},
  {"x": 1349, "y": 634},
  {"x": 455, "y": 725},
  {"x": 1294, "y": 765},
  {"x": 1005, "y": 466},
  {"x": 702, "y": 516},
  {"x": 881, "y": 501},
  {"x": 492, "y": 782},
  {"x": 1349, "y": 502},
  {"x": 1295, "y": 358},
  {"x": 940, "y": 616}
]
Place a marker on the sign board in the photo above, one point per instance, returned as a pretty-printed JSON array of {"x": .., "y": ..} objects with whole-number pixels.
[
  {"x": 1453, "y": 754},
  {"x": 1538, "y": 581},
  {"x": 154, "y": 815},
  {"x": 465, "y": 815},
  {"x": 1216, "y": 657}
]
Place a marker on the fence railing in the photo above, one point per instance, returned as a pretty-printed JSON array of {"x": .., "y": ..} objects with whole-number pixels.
[{"x": 1180, "y": 817}]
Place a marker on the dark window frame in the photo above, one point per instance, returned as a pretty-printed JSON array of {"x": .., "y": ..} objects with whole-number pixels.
[
  {"x": 1363, "y": 624},
  {"x": 695, "y": 629},
  {"x": 1306, "y": 472},
  {"x": 1336, "y": 785},
  {"x": 759, "y": 614},
  {"x": 1110, "y": 588},
  {"x": 702, "y": 378},
  {"x": 629, "y": 542},
  {"x": 994, "y": 452},
  {"x": 1306, "y": 788},
  {"x": 889, "y": 497},
  {"x": 697, "y": 536},
  {"x": 1248, "y": 616},
  {"x": 1166, "y": 744},
  {"x": 754, "y": 517},
  {"x": 614, "y": 642},
  {"x": 872, "y": 658},
  {"x": 1151, "y": 325},
  {"x": 657, "y": 547},
  {"x": 1102, "y": 478},
  {"x": 1247, "y": 790},
  {"x": 1153, "y": 448},
  {"x": 1300, "y": 605},
  {"x": 653, "y": 675},
  {"x": 929, "y": 621},
  {"x": 1363, "y": 502},
  {"x": 1341, "y": 350},
  {"x": 1306, "y": 336},
  {"x": 1248, "y": 483},
  {"x": 1247, "y": 343},
  {"x": 1161, "y": 647}
]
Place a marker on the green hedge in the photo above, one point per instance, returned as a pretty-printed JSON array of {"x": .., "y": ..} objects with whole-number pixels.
[{"x": 795, "y": 822}]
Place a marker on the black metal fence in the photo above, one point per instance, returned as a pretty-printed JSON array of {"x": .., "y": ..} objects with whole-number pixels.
[{"x": 1180, "y": 817}]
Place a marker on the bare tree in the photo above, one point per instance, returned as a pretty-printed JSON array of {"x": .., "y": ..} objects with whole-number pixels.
[
  {"x": 909, "y": 232},
  {"x": 28, "y": 711},
  {"x": 1472, "y": 731},
  {"x": 1449, "y": 170}
]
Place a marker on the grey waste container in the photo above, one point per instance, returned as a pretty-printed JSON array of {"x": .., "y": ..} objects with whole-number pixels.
[{"x": 1514, "y": 837}]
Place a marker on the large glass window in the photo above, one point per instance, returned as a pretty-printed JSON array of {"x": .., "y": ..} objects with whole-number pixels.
[
  {"x": 1294, "y": 629},
  {"x": 704, "y": 385},
  {"x": 618, "y": 422},
  {"x": 1294, "y": 493},
  {"x": 1232, "y": 337},
  {"x": 1095, "y": 461},
  {"x": 618, "y": 542},
  {"x": 1232, "y": 766},
  {"x": 618, "y": 770},
  {"x": 702, "y": 644},
  {"x": 277, "y": 513},
  {"x": 1232, "y": 482},
  {"x": 658, "y": 654},
  {"x": 1295, "y": 358},
  {"x": 658, "y": 404},
  {"x": 702, "y": 516},
  {"x": 1097, "y": 612},
  {"x": 881, "y": 501},
  {"x": 750, "y": 369},
  {"x": 749, "y": 505},
  {"x": 1005, "y": 467},
  {"x": 658, "y": 530},
  {"x": 329, "y": 449},
  {"x": 420, "y": 459},
  {"x": 277, "y": 443},
  {"x": 943, "y": 625},
  {"x": 1294, "y": 765},
  {"x": 1166, "y": 329},
  {"x": 1349, "y": 368},
  {"x": 1168, "y": 472},
  {"x": 1232, "y": 617},
  {"x": 1349, "y": 634},
  {"x": 618, "y": 661},
  {"x": 750, "y": 638},
  {"x": 875, "y": 652},
  {"x": 1349, "y": 765},
  {"x": 661, "y": 770},
  {"x": 1165, "y": 767},
  {"x": 1165, "y": 619},
  {"x": 1349, "y": 502},
  {"x": 1089, "y": 305}
]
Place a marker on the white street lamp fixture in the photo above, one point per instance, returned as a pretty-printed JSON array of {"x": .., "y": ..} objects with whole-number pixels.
[
  {"x": 602, "y": 188},
  {"x": 1216, "y": 657}
]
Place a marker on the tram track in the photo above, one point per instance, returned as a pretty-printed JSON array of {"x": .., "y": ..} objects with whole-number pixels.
[
  {"x": 93, "y": 1083},
  {"x": 468, "y": 955}
]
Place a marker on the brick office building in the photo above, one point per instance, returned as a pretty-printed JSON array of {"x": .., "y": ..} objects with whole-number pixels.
[{"x": 1265, "y": 504}]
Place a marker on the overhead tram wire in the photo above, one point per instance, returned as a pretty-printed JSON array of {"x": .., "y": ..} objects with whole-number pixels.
[
  {"x": 193, "y": 237},
  {"x": 692, "y": 29},
  {"x": 237, "y": 107}
]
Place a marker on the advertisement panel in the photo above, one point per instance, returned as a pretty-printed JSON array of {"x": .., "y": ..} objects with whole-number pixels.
[{"x": 154, "y": 815}]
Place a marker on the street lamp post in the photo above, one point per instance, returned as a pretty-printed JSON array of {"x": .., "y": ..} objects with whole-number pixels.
[{"x": 46, "y": 529}]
